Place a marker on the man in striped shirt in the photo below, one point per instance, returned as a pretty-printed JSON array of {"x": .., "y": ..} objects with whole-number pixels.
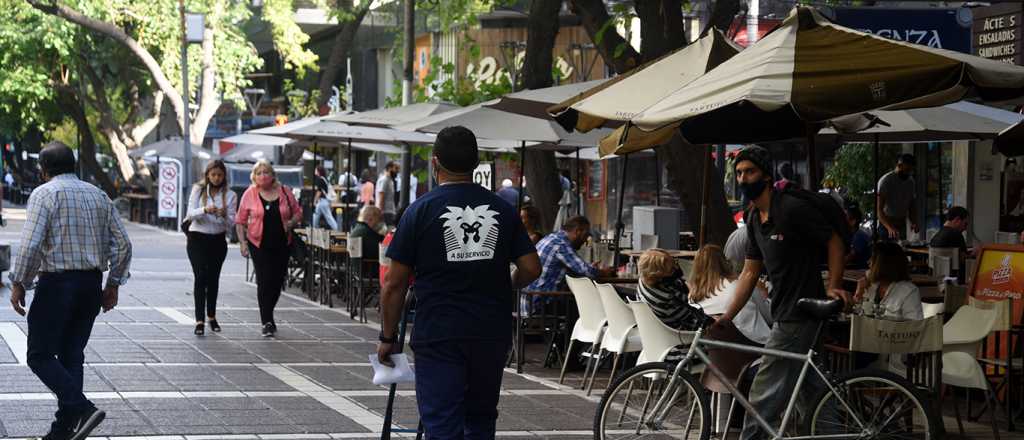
[{"x": 72, "y": 234}]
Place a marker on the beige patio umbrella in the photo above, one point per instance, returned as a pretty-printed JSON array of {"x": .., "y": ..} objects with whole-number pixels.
[
  {"x": 809, "y": 71},
  {"x": 624, "y": 96}
]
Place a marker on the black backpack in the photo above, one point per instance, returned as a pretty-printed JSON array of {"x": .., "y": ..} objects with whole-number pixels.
[{"x": 831, "y": 210}]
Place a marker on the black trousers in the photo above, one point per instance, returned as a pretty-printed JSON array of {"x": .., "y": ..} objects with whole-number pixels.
[
  {"x": 206, "y": 252},
  {"x": 60, "y": 321},
  {"x": 271, "y": 266}
]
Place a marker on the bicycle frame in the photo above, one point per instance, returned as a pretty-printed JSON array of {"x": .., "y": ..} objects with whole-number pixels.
[{"x": 660, "y": 409}]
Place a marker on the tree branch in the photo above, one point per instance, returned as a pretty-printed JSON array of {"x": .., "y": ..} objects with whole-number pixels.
[
  {"x": 722, "y": 15},
  {"x": 112, "y": 31},
  {"x": 342, "y": 45},
  {"x": 594, "y": 16}
]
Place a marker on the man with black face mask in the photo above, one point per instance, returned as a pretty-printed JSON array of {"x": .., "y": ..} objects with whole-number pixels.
[
  {"x": 895, "y": 204},
  {"x": 785, "y": 235}
]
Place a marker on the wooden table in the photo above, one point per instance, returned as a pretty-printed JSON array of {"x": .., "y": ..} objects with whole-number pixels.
[{"x": 689, "y": 255}]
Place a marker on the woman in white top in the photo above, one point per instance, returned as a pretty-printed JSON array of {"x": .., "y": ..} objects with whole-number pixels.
[
  {"x": 887, "y": 291},
  {"x": 211, "y": 212},
  {"x": 713, "y": 286}
]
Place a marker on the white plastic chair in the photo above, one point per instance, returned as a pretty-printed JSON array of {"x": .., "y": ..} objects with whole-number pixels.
[
  {"x": 657, "y": 338},
  {"x": 930, "y": 310},
  {"x": 590, "y": 325},
  {"x": 621, "y": 335},
  {"x": 961, "y": 339}
]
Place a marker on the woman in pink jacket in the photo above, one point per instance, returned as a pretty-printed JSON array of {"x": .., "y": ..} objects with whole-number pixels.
[{"x": 266, "y": 215}]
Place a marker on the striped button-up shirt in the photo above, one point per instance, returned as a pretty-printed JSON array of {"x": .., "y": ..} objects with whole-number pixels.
[
  {"x": 71, "y": 225},
  {"x": 556, "y": 258}
]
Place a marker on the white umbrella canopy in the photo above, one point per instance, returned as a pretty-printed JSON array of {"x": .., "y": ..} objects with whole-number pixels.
[
  {"x": 388, "y": 117},
  {"x": 500, "y": 126},
  {"x": 329, "y": 133},
  {"x": 535, "y": 102},
  {"x": 809, "y": 71},
  {"x": 952, "y": 122},
  {"x": 279, "y": 130},
  {"x": 257, "y": 139}
]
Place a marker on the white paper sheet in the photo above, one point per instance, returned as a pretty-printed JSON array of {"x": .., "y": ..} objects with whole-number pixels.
[{"x": 385, "y": 375}]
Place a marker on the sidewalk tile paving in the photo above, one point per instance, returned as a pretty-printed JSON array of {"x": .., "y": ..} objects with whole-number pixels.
[{"x": 156, "y": 380}]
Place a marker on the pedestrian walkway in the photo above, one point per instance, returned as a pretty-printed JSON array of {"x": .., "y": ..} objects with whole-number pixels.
[{"x": 156, "y": 379}]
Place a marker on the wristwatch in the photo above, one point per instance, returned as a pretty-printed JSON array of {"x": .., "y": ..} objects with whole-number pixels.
[{"x": 386, "y": 340}]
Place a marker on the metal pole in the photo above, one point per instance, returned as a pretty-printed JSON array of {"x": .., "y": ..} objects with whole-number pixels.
[
  {"x": 874, "y": 228},
  {"x": 579, "y": 184},
  {"x": 619, "y": 226},
  {"x": 705, "y": 190},
  {"x": 812, "y": 162},
  {"x": 522, "y": 175},
  {"x": 186, "y": 131},
  {"x": 346, "y": 211},
  {"x": 403, "y": 195},
  {"x": 409, "y": 48},
  {"x": 657, "y": 181}
]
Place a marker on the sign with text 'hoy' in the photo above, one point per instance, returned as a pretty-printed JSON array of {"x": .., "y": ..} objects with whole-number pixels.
[
  {"x": 168, "y": 187},
  {"x": 483, "y": 175}
]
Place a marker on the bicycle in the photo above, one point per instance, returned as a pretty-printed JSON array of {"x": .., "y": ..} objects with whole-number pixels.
[{"x": 671, "y": 403}]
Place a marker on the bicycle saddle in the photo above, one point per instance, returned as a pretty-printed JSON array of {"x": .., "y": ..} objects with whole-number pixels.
[{"x": 819, "y": 309}]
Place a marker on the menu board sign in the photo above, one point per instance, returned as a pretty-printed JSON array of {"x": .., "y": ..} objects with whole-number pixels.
[{"x": 997, "y": 32}]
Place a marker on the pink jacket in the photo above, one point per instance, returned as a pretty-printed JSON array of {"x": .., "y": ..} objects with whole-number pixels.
[{"x": 250, "y": 212}]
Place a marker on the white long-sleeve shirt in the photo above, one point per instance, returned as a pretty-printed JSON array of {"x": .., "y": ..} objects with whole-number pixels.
[{"x": 211, "y": 223}]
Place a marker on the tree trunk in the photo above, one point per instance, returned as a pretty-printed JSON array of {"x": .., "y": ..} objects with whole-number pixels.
[
  {"x": 594, "y": 15},
  {"x": 722, "y": 15},
  {"x": 542, "y": 29},
  {"x": 339, "y": 52},
  {"x": 662, "y": 28},
  {"x": 541, "y": 169},
  {"x": 544, "y": 186},
  {"x": 87, "y": 148}
]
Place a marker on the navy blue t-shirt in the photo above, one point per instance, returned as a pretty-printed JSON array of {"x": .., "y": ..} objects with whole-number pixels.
[{"x": 460, "y": 239}]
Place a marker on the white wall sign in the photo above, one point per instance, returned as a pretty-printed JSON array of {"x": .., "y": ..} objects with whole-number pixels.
[
  {"x": 483, "y": 175},
  {"x": 168, "y": 187}
]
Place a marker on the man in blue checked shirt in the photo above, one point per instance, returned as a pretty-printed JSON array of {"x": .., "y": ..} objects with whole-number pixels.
[
  {"x": 558, "y": 257},
  {"x": 72, "y": 235}
]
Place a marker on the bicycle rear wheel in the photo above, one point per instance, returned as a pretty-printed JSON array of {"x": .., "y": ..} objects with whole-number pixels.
[
  {"x": 631, "y": 397},
  {"x": 874, "y": 405}
]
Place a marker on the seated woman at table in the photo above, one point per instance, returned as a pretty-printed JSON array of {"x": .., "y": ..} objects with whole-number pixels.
[
  {"x": 713, "y": 286},
  {"x": 887, "y": 291},
  {"x": 663, "y": 288}
]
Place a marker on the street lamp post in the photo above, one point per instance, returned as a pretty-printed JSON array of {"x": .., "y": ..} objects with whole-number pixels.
[{"x": 192, "y": 26}]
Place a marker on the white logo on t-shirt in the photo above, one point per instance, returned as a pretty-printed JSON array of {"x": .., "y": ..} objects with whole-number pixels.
[{"x": 470, "y": 233}]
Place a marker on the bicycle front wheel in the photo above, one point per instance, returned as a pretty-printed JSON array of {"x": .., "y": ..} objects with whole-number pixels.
[
  {"x": 627, "y": 407},
  {"x": 874, "y": 405}
]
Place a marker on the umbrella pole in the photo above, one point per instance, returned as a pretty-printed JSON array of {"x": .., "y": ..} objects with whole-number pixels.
[
  {"x": 345, "y": 210},
  {"x": 874, "y": 228},
  {"x": 657, "y": 181},
  {"x": 812, "y": 162},
  {"x": 704, "y": 196},
  {"x": 522, "y": 176},
  {"x": 579, "y": 182},
  {"x": 619, "y": 226}
]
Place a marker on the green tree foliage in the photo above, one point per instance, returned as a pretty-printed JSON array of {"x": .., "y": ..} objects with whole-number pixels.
[{"x": 853, "y": 172}]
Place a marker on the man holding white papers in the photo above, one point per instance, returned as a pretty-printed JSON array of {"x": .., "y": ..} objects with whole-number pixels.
[{"x": 458, "y": 240}]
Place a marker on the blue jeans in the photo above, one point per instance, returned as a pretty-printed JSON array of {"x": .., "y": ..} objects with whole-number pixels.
[
  {"x": 323, "y": 209},
  {"x": 59, "y": 324},
  {"x": 457, "y": 386}
]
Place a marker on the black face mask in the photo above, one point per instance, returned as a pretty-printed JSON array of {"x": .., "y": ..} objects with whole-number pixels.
[
  {"x": 751, "y": 191},
  {"x": 903, "y": 175}
]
